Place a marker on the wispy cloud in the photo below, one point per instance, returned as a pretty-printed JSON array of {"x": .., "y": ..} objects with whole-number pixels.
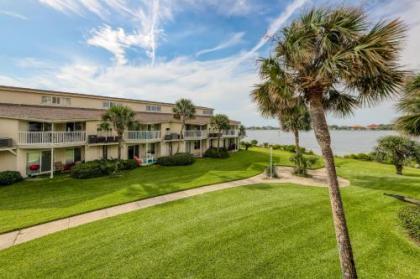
[
  {"x": 13, "y": 14},
  {"x": 274, "y": 27},
  {"x": 232, "y": 41}
]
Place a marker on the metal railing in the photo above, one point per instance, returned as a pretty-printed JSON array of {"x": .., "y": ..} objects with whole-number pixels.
[
  {"x": 195, "y": 134},
  {"x": 230, "y": 133},
  {"x": 46, "y": 138},
  {"x": 142, "y": 135}
]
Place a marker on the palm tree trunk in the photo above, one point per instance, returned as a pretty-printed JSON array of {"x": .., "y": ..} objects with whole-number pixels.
[
  {"x": 119, "y": 146},
  {"x": 181, "y": 135},
  {"x": 399, "y": 169},
  {"x": 322, "y": 134},
  {"x": 296, "y": 134}
]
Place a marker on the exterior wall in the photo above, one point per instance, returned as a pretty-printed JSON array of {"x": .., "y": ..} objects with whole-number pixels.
[
  {"x": 9, "y": 128},
  {"x": 8, "y": 161}
]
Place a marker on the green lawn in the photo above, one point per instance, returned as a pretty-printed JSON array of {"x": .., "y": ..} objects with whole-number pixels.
[
  {"x": 259, "y": 231},
  {"x": 32, "y": 202}
]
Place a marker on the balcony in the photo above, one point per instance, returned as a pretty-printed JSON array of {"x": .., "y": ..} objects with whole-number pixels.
[
  {"x": 142, "y": 136},
  {"x": 230, "y": 133},
  {"x": 172, "y": 137},
  {"x": 102, "y": 139},
  {"x": 195, "y": 134},
  {"x": 51, "y": 138}
]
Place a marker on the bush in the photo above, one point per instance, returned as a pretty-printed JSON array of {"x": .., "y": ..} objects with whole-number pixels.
[
  {"x": 179, "y": 159},
  {"x": 254, "y": 142},
  {"x": 246, "y": 144},
  {"x": 302, "y": 163},
  {"x": 128, "y": 164},
  {"x": 361, "y": 156},
  {"x": 99, "y": 168},
  {"x": 216, "y": 153},
  {"x": 410, "y": 220},
  {"x": 9, "y": 177}
]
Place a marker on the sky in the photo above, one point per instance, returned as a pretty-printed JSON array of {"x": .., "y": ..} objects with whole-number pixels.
[{"x": 163, "y": 50}]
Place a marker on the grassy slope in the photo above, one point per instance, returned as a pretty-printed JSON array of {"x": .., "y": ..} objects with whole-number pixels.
[
  {"x": 260, "y": 231},
  {"x": 33, "y": 202}
]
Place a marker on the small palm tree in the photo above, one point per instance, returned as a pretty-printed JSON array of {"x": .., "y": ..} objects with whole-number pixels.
[
  {"x": 329, "y": 55},
  {"x": 184, "y": 110},
  {"x": 220, "y": 123},
  {"x": 409, "y": 105},
  {"x": 121, "y": 117},
  {"x": 397, "y": 150}
]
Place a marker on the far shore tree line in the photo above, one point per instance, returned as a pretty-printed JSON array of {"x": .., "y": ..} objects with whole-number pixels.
[{"x": 370, "y": 127}]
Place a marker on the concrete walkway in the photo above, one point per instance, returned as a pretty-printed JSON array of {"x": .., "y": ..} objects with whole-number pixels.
[{"x": 20, "y": 236}]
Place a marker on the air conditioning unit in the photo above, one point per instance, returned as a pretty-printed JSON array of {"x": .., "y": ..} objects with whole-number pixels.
[{"x": 6, "y": 142}]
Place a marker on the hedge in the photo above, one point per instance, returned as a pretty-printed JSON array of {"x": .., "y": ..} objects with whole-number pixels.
[
  {"x": 179, "y": 159},
  {"x": 99, "y": 168},
  {"x": 216, "y": 153},
  {"x": 9, "y": 177},
  {"x": 410, "y": 220}
]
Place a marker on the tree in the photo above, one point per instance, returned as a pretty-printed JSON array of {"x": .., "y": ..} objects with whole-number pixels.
[
  {"x": 184, "y": 110},
  {"x": 242, "y": 131},
  {"x": 220, "y": 123},
  {"x": 330, "y": 56},
  {"x": 246, "y": 144},
  {"x": 397, "y": 150},
  {"x": 121, "y": 117},
  {"x": 409, "y": 105}
]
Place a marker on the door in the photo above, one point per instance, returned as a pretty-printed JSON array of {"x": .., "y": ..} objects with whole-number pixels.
[
  {"x": 133, "y": 150},
  {"x": 45, "y": 161}
]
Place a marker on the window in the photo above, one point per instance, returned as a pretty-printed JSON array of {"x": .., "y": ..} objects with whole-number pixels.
[
  {"x": 197, "y": 144},
  {"x": 207, "y": 111},
  {"x": 153, "y": 108},
  {"x": 69, "y": 156},
  {"x": 109, "y": 104},
  {"x": 56, "y": 100}
]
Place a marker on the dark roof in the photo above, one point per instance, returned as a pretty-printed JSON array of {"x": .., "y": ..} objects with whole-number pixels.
[{"x": 64, "y": 114}]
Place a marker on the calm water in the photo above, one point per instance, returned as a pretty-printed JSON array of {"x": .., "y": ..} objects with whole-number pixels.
[{"x": 343, "y": 142}]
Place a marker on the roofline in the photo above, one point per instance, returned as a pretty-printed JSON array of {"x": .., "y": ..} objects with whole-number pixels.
[
  {"x": 44, "y": 91},
  {"x": 235, "y": 122}
]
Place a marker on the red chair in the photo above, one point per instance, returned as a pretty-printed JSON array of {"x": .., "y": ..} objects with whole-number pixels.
[{"x": 138, "y": 161}]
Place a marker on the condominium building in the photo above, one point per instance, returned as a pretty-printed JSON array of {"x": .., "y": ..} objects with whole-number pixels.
[{"x": 42, "y": 130}]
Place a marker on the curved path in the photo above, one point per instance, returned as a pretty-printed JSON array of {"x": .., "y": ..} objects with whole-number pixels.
[{"x": 318, "y": 178}]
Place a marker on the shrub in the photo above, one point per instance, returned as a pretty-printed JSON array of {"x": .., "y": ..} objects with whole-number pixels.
[
  {"x": 254, "y": 142},
  {"x": 302, "y": 163},
  {"x": 128, "y": 164},
  {"x": 361, "y": 156},
  {"x": 179, "y": 159},
  {"x": 216, "y": 153},
  {"x": 99, "y": 168},
  {"x": 410, "y": 220},
  {"x": 9, "y": 177}
]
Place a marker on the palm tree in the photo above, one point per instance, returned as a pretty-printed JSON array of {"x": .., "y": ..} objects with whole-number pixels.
[
  {"x": 409, "y": 105},
  {"x": 220, "y": 123},
  {"x": 328, "y": 55},
  {"x": 291, "y": 113},
  {"x": 184, "y": 110},
  {"x": 397, "y": 150},
  {"x": 121, "y": 117}
]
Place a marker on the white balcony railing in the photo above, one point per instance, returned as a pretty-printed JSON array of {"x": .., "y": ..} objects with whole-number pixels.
[
  {"x": 230, "y": 133},
  {"x": 138, "y": 136},
  {"x": 195, "y": 134},
  {"x": 47, "y": 138}
]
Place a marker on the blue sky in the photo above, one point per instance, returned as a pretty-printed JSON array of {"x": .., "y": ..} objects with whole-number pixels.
[{"x": 163, "y": 50}]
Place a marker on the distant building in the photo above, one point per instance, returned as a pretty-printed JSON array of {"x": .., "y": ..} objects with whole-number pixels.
[{"x": 373, "y": 126}]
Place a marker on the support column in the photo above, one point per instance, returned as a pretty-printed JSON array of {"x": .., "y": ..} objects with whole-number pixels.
[{"x": 52, "y": 151}]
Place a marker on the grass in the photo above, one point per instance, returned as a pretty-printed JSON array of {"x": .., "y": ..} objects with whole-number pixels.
[
  {"x": 258, "y": 231},
  {"x": 37, "y": 201}
]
